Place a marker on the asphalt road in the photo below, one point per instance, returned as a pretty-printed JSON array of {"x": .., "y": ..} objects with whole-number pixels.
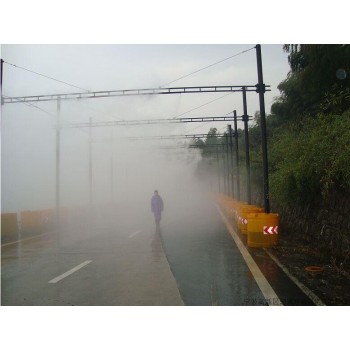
[
  {"x": 98, "y": 263},
  {"x": 120, "y": 259}
]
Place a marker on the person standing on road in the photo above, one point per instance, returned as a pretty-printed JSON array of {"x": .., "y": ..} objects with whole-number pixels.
[{"x": 157, "y": 207}]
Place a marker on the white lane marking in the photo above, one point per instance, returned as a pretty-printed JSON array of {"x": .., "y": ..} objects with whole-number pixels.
[
  {"x": 27, "y": 239},
  {"x": 135, "y": 233},
  {"x": 271, "y": 297},
  {"x": 316, "y": 300},
  {"x": 60, "y": 277}
]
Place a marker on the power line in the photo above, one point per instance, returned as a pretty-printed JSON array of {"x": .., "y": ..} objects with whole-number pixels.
[
  {"x": 184, "y": 76},
  {"x": 202, "y": 126},
  {"x": 198, "y": 126},
  {"x": 211, "y": 65},
  {"x": 203, "y": 105},
  {"x": 43, "y": 75},
  {"x": 171, "y": 137},
  {"x": 152, "y": 121},
  {"x": 195, "y": 128},
  {"x": 28, "y": 104}
]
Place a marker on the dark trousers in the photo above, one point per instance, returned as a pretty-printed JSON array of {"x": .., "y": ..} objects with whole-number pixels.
[{"x": 157, "y": 217}]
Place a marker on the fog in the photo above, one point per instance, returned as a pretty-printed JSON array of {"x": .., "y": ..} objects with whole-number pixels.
[
  {"x": 127, "y": 164},
  {"x": 124, "y": 169}
]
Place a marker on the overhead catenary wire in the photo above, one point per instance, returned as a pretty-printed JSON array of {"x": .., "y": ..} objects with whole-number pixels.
[
  {"x": 150, "y": 122},
  {"x": 201, "y": 126},
  {"x": 193, "y": 109},
  {"x": 227, "y": 58},
  {"x": 28, "y": 104},
  {"x": 205, "y": 104},
  {"x": 170, "y": 137},
  {"x": 46, "y": 76},
  {"x": 211, "y": 65},
  {"x": 78, "y": 87},
  {"x": 198, "y": 126}
]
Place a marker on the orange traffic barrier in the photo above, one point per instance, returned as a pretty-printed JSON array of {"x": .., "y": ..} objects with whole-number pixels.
[
  {"x": 242, "y": 215},
  {"x": 262, "y": 230},
  {"x": 36, "y": 221},
  {"x": 30, "y": 220},
  {"x": 9, "y": 225}
]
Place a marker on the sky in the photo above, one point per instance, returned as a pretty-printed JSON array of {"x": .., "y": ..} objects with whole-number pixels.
[
  {"x": 115, "y": 67},
  {"x": 28, "y": 131}
]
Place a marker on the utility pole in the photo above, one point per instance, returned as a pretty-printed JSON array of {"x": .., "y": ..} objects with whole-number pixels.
[
  {"x": 261, "y": 90},
  {"x": 231, "y": 158},
  {"x": 58, "y": 130},
  {"x": 90, "y": 165},
  {"x": 237, "y": 155},
  {"x": 218, "y": 167},
  {"x": 224, "y": 166},
  {"x": 112, "y": 169},
  {"x": 247, "y": 158},
  {"x": 227, "y": 165},
  {"x": 1, "y": 74}
]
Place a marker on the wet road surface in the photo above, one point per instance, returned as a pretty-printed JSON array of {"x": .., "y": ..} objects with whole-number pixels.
[
  {"x": 100, "y": 265},
  {"x": 112, "y": 260},
  {"x": 207, "y": 264}
]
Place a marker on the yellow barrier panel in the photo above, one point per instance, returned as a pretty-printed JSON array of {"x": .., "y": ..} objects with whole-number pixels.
[
  {"x": 30, "y": 221},
  {"x": 262, "y": 230},
  {"x": 231, "y": 208},
  {"x": 242, "y": 215},
  {"x": 229, "y": 205},
  {"x": 47, "y": 217},
  {"x": 36, "y": 221},
  {"x": 8, "y": 224}
]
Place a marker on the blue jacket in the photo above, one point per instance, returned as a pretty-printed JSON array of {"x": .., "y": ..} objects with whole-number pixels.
[{"x": 157, "y": 204}]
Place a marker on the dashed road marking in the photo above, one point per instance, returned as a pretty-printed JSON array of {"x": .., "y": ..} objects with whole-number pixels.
[
  {"x": 26, "y": 239},
  {"x": 135, "y": 233},
  {"x": 265, "y": 287},
  {"x": 74, "y": 269}
]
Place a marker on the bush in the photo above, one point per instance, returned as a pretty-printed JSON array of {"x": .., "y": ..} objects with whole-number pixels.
[{"x": 309, "y": 158}]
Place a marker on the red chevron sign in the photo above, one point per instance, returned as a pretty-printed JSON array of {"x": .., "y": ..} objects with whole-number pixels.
[
  {"x": 270, "y": 230},
  {"x": 243, "y": 220}
]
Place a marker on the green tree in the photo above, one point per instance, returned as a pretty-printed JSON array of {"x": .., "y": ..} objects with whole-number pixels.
[{"x": 312, "y": 84}]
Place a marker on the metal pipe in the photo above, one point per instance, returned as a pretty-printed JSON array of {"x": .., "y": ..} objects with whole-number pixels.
[
  {"x": 112, "y": 168},
  {"x": 58, "y": 141},
  {"x": 90, "y": 163},
  {"x": 224, "y": 167},
  {"x": 261, "y": 91},
  {"x": 218, "y": 167},
  {"x": 231, "y": 158},
  {"x": 2, "y": 69},
  {"x": 227, "y": 166},
  {"x": 247, "y": 158},
  {"x": 237, "y": 156},
  {"x": 131, "y": 92}
]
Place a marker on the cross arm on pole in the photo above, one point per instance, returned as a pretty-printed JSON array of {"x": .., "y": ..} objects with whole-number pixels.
[
  {"x": 155, "y": 121},
  {"x": 129, "y": 92}
]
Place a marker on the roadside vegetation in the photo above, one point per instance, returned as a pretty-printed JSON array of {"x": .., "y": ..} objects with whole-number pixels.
[
  {"x": 308, "y": 131},
  {"x": 309, "y": 126}
]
